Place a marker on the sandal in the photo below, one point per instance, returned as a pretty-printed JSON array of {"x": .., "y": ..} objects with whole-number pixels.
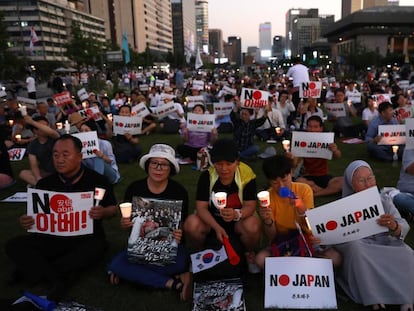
[{"x": 113, "y": 278}]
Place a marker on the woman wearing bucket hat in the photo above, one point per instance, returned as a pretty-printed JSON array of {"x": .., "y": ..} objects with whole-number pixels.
[{"x": 160, "y": 164}]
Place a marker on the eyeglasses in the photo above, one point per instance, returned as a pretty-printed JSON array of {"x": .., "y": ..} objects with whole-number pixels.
[
  {"x": 162, "y": 166},
  {"x": 366, "y": 181}
]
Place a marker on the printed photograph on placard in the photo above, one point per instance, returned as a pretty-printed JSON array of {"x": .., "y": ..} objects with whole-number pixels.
[{"x": 151, "y": 239}]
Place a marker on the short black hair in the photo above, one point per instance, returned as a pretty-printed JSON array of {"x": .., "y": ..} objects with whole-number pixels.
[
  {"x": 77, "y": 143},
  {"x": 384, "y": 106},
  {"x": 315, "y": 118},
  {"x": 125, "y": 105},
  {"x": 277, "y": 166}
]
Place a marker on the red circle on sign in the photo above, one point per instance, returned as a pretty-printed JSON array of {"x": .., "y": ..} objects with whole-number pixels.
[
  {"x": 331, "y": 225},
  {"x": 303, "y": 144},
  {"x": 194, "y": 122},
  {"x": 284, "y": 280},
  {"x": 60, "y": 203},
  {"x": 257, "y": 95},
  {"x": 386, "y": 134},
  {"x": 121, "y": 124},
  {"x": 312, "y": 85}
]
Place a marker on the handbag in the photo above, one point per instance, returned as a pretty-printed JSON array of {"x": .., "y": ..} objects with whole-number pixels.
[{"x": 292, "y": 244}]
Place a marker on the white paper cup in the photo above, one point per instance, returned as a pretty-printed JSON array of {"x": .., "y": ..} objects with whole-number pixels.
[
  {"x": 126, "y": 209},
  {"x": 23, "y": 110},
  {"x": 286, "y": 144},
  {"x": 59, "y": 125},
  {"x": 221, "y": 199},
  {"x": 99, "y": 193},
  {"x": 18, "y": 137},
  {"x": 11, "y": 122},
  {"x": 395, "y": 148},
  {"x": 67, "y": 127},
  {"x": 264, "y": 198}
]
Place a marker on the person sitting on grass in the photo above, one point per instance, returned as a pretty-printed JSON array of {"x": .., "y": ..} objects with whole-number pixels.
[
  {"x": 159, "y": 164},
  {"x": 316, "y": 173}
]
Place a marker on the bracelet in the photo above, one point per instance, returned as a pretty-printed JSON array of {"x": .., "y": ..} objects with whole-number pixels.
[
  {"x": 269, "y": 224},
  {"x": 239, "y": 215}
]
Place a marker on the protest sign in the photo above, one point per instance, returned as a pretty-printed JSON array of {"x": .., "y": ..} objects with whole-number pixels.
[
  {"x": 29, "y": 103},
  {"x": 90, "y": 143},
  {"x": 310, "y": 89},
  {"x": 391, "y": 134},
  {"x": 62, "y": 98},
  {"x": 131, "y": 125},
  {"x": 159, "y": 83},
  {"x": 200, "y": 122},
  {"x": 380, "y": 98},
  {"x": 143, "y": 87},
  {"x": 335, "y": 109},
  {"x": 140, "y": 110},
  {"x": 351, "y": 218},
  {"x": 222, "y": 109},
  {"x": 58, "y": 213},
  {"x": 18, "y": 197},
  {"x": 16, "y": 154},
  {"x": 312, "y": 145},
  {"x": 91, "y": 113},
  {"x": 163, "y": 110},
  {"x": 299, "y": 283},
  {"x": 198, "y": 85},
  {"x": 229, "y": 90},
  {"x": 354, "y": 98},
  {"x": 82, "y": 94},
  {"x": 409, "y": 133},
  {"x": 251, "y": 98}
]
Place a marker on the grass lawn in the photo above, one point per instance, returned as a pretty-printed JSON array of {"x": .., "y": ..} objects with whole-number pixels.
[{"x": 93, "y": 287}]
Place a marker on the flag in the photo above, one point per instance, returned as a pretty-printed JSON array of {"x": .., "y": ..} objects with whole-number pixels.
[
  {"x": 33, "y": 39},
  {"x": 125, "y": 47},
  {"x": 198, "y": 62},
  {"x": 207, "y": 259}
]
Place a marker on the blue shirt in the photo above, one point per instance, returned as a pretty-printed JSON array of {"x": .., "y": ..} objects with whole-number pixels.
[{"x": 372, "y": 130}]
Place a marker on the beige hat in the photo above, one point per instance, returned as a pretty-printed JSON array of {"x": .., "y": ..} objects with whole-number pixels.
[
  {"x": 161, "y": 151},
  {"x": 75, "y": 118}
]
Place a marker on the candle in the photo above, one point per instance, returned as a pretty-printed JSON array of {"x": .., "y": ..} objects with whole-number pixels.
[
  {"x": 11, "y": 122},
  {"x": 395, "y": 149},
  {"x": 67, "y": 127},
  {"x": 23, "y": 110},
  {"x": 59, "y": 125},
  {"x": 286, "y": 144},
  {"x": 277, "y": 129},
  {"x": 18, "y": 137}
]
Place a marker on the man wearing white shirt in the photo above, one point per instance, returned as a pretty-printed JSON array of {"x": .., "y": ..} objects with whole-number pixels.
[
  {"x": 299, "y": 74},
  {"x": 31, "y": 86}
]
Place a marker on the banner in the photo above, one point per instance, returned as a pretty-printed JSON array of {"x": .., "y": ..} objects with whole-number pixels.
[
  {"x": 200, "y": 122},
  {"x": 140, "y": 110},
  {"x": 380, "y": 98},
  {"x": 222, "y": 109},
  {"x": 335, "y": 109},
  {"x": 299, "y": 283},
  {"x": 392, "y": 134},
  {"x": 90, "y": 143},
  {"x": 310, "y": 89},
  {"x": 347, "y": 219},
  {"x": 251, "y": 98},
  {"x": 198, "y": 85},
  {"x": 62, "y": 214},
  {"x": 207, "y": 259},
  {"x": 91, "y": 113},
  {"x": 62, "y": 98},
  {"x": 131, "y": 125},
  {"x": 16, "y": 154},
  {"x": 409, "y": 133},
  {"x": 82, "y": 94},
  {"x": 163, "y": 110},
  {"x": 312, "y": 145}
]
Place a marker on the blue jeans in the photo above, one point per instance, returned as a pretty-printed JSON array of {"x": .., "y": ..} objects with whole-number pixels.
[
  {"x": 148, "y": 274},
  {"x": 404, "y": 202},
  {"x": 249, "y": 152}
]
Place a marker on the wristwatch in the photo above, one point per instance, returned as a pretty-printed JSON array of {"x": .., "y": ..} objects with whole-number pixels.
[{"x": 239, "y": 214}]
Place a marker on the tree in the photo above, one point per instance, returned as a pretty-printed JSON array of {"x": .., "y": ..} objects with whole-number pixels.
[{"x": 360, "y": 57}]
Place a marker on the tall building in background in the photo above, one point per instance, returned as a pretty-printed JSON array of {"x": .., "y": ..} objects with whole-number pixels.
[
  {"x": 265, "y": 40},
  {"x": 351, "y": 6},
  {"x": 233, "y": 50},
  {"x": 51, "y": 20},
  {"x": 278, "y": 47},
  {"x": 215, "y": 39},
  {"x": 202, "y": 25},
  {"x": 184, "y": 29}
]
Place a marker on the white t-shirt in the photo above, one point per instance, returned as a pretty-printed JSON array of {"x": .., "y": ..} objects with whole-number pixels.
[
  {"x": 299, "y": 73},
  {"x": 31, "y": 85}
]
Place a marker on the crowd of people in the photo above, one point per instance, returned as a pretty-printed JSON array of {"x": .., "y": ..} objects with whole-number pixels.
[{"x": 56, "y": 164}]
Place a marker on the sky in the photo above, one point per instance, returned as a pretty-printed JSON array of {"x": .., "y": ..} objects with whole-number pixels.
[{"x": 242, "y": 17}]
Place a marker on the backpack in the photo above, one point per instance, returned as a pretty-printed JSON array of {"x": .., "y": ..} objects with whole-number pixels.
[{"x": 203, "y": 159}]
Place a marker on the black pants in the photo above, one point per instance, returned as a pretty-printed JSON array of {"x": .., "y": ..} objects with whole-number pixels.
[{"x": 51, "y": 258}]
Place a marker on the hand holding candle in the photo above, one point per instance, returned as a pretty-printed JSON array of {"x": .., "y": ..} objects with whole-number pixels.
[
  {"x": 286, "y": 145},
  {"x": 126, "y": 209},
  {"x": 99, "y": 194}
]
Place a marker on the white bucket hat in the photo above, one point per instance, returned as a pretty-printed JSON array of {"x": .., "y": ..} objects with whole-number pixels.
[{"x": 160, "y": 151}]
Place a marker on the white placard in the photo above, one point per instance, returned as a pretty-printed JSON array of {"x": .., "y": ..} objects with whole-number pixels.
[
  {"x": 163, "y": 110},
  {"x": 62, "y": 98},
  {"x": 90, "y": 143},
  {"x": 403, "y": 84},
  {"x": 335, "y": 109},
  {"x": 91, "y": 113},
  {"x": 140, "y": 110},
  {"x": 131, "y": 125},
  {"x": 207, "y": 259},
  {"x": 351, "y": 218},
  {"x": 380, "y": 98},
  {"x": 251, "y": 98},
  {"x": 195, "y": 99},
  {"x": 159, "y": 83},
  {"x": 200, "y": 122},
  {"x": 198, "y": 85},
  {"x": 82, "y": 94},
  {"x": 299, "y": 283},
  {"x": 60, "y": 213},
  {"x": 354, "y": 97},
  {"x": 409, "y": 133},
  {"x": 229, "y": 90},
  {"x": 18, "y": 197},
  {"x": 16, "y": 154},
  {"x": 143, "y": 87},
  {"x": 310, "y": 89},
  {"x": 392, "y": 134},
  {"x": 222, "y": 109},
  {"x": 28, "y": 102},
  {"x": 165, "y": 96},
  {"x": 312, "y": 145}
]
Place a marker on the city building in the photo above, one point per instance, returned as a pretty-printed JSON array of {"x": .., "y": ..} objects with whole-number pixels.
[
  {"x": 388, "y": 29},
  {"x": 184, "y": 29},
  {"x": 278, "y": 47},
  {"x": 265, "y": 41},
  {"x": 215, "y": 39},
  {"x": 202, "y": 25},
  {"x": 233, "y": 50},
  {"x": 51, "y": 22},
  {"x": 351, "y": 6}
]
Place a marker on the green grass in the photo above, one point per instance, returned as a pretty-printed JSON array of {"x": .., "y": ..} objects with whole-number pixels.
[{"x": 93, "y": 287}]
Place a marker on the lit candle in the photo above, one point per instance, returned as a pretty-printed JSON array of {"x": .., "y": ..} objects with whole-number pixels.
[
  {"x": 59, "y": 125},
  {"x": 18, "y": 137},
  {"x": 23, "y": 110},
  {"x": 286, "y": 144},
  {"x": 277, "y": 129},
  {"x": 67, "y": 127},
  {"x": 395, "y": 149},
  {"x": 11, "y": 122}
]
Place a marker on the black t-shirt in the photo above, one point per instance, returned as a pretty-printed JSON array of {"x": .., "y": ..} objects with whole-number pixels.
[
  {"x": 233, "y": 200},
  {"x": 173, "y": 191},
  {"x": 89, "y": 180},
  {"x": 43, "y": 153}
]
